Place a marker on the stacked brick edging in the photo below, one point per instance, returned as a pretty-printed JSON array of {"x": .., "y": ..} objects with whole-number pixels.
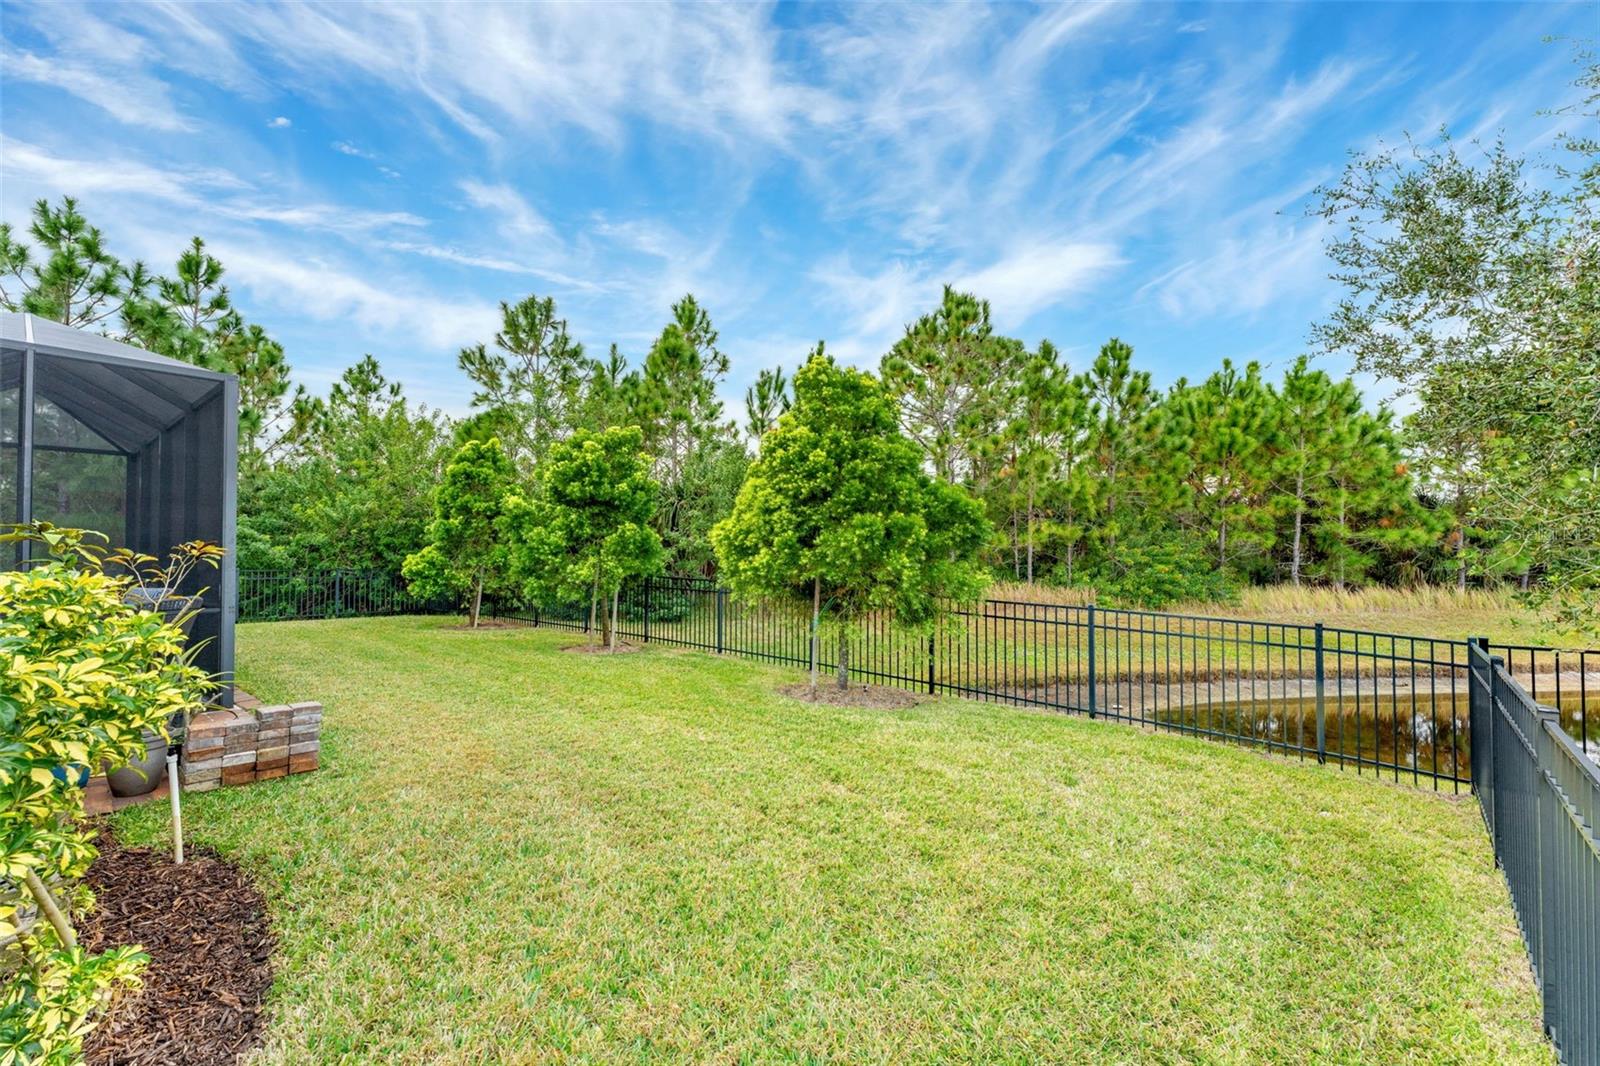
[{"x": 250, "y": 743}]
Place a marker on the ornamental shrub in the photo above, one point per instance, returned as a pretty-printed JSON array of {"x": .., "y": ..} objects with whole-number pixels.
[{"x": 84, "y": 675}]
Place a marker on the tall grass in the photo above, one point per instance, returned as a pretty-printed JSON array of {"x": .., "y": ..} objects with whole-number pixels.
[
  {"x": 1442, "y": 611},
  {"x": 1308, "y": 600}
]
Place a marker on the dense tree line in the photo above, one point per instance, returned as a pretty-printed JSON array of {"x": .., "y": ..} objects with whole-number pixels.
[
  {"x": 1099, "y": 477},
  {"x": 1466, "y": 282}
]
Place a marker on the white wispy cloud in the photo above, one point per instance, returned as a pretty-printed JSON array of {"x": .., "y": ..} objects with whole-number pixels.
[
  {"x": 279, "y": 123},
  {"x": 517, "y": 215},
  {"x": 198, "y": 191},
  {"x": 328, "y": 292},
  {"x": 1244, "y": 274},
  {"x": 136, "y": 101},
  {"x": 1035, "y": 276}
]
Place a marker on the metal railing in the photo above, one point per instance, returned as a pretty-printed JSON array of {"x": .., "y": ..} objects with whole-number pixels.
[
  {"x": 1540, "y": 797},
  {"x": 1382, "y": 703},
  {"x": 285, "y": 595}
]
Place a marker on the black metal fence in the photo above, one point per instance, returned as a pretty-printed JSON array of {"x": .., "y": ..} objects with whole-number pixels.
[
  {"x": 1540, "y": 798},
  {"x": 1382, "y": 703},
  {"x": 285, "y": 595}
]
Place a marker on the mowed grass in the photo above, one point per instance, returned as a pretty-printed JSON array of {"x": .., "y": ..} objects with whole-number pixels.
[{"x": 514, "y": 853}]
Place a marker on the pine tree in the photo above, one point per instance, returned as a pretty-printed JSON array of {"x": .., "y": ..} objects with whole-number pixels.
[
  {"x": 1319, "y": 433},
  {"x": 530, "y": 377},
  {"x": 78, "y": 282},
  {"x": 1370, "y": 509},
  {"x": 674, "y": 399},
  {"x": 1120, "y": 404},
  {"x": 190, "y": 316},
  {"x": 949, "y": 376},
  {"x": 1217, "y": 439},
  {"x": 767, "y": 399},
  {"x": 1045, "y": 411}
]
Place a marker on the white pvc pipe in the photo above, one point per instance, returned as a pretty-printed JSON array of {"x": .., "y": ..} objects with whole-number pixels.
[{"x": 177, "y": 808}]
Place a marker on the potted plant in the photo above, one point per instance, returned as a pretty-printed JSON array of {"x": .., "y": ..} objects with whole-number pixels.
[{"x": 156, "y": 586}]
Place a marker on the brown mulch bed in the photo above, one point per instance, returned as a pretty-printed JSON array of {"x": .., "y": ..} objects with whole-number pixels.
[
  {"x": 204, "y": 926},
  {"x": 877, "y": 697},
  {"x": 623, "y": 648}
]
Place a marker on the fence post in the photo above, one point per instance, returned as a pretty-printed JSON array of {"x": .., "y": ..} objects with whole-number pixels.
[
  {"x": 932, "y": 686},
  {"x": 646, "y": 609},
  {"x": 1091, "y": 662},
  {"x": 1493, "y": 707},
  {"x": 1547, "y": 858},
  {"x": 722, "y": 595},
  {"x": 1479, "y": 725},
  {"x": 1322, "y": 710}
]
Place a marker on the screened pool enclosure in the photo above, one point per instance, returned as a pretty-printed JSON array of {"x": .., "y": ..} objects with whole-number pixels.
[{"x": 106, "y": 436}]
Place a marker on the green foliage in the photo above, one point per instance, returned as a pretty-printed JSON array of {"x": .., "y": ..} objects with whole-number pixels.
[
  {"x": 766, "y": 400},
  {"x": 838, "y": 504},
  {"x": 949, "y": 375},
  {"x": 466, "y": 551},
  {"x": 77, "y": 282},
  {"x": 50, "y": 1004},
  {"x": 589, "y": 529},
  {"x": 1120, "y": 404},
  {"x": 1153, "y": 571},
  {"x": 1476, "y": 289},
  {"x": 1218, "y": 440},
  {"x": 527, "y": 385},
  {"x": 1042, "y": 489},
  {"x": 358, "y": 489},
  {"x": 85, "y": 675},
  {"x": 674, "y": 400}
]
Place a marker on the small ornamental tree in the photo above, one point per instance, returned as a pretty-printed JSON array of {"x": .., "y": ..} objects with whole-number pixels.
[
  {"x": 590, "y": 528},
  {"x": 466, "y": 550},
  {"x": 838, "y": 504}
]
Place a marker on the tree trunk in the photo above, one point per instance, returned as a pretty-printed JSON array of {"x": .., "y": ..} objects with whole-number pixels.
[
  {"x": 816, "y": 622},
  {"x": 1339, "y": 579},
  {"x": 1299, "y": 522},
  {"x": 477, "y": 599},
  {"x": 1030, "y": 532},
  {"x": 594, "y": 599},
  {"x": 844, "y": 657},
  {"x": 1016, "y": 550},
  {"x": 615, "y": 594},
  {"x": 1294, "y": 561},
  {"x": 1222, "y": 545},
  {"x": 1461, "y": 540}
]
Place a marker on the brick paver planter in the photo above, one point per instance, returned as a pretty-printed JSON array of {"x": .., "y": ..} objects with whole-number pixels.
[{"x": 251, "y": 742}]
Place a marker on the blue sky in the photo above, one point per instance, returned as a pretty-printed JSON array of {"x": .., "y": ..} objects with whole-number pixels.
[{"x": 376, "y": 178}]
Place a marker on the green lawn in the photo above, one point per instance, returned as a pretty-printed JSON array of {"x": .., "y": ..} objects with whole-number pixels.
[{"x": 514, "y": 853}]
